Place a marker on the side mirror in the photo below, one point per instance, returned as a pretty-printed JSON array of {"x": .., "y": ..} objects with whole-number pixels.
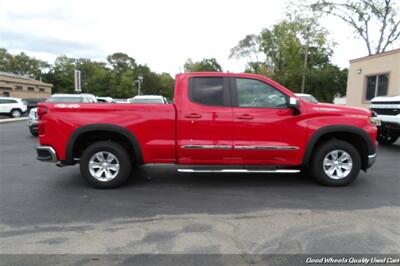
[{"x": 294, "y": 104}]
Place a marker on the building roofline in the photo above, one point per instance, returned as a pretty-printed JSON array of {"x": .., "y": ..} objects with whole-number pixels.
[
  {"x": 394, "y": 51},
  {"x": 11, "y": 77}
]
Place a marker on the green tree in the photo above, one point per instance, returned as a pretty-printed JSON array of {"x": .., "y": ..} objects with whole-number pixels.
[
  {"x": 61, "y": 75},
  {"x": 22, "y": 64},
  {"x": 208, "y": 64},
  {"x": 95, "y": 77},
  {"x": 293, "y": 52},
  {"x": 166, "y": 85},
  {"x": 116, "y": 77},
  {"x": 376, "y": 22}
]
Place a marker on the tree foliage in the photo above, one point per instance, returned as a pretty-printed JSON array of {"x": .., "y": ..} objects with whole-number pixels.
[
  {"x": 280, "y": 51},
  {"x": 376, "y": 22},
  {"x": 21, "y": 64},
  {"x": 210, "y": 64},
  {"x": 115, "y": 77}
]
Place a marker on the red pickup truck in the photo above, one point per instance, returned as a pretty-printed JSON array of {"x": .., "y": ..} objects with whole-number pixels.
[{"x": 219, "y": 122}]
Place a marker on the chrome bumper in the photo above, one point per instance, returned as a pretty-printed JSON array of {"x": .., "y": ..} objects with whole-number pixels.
[
  {"x": 46, "y": 154},
  {"x": 371, "y": 160}
]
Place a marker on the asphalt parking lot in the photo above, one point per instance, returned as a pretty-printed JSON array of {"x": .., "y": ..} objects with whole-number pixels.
[{"x": 49, "y": 210}]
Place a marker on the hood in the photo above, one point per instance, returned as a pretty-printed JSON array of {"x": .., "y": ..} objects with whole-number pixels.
[
  {"x": 330, "y": 107},
  {"x": 386, "y": 99}
]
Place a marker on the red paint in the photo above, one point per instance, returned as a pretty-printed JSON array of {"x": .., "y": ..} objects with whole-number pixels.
[{"x": 162, "y": 129}]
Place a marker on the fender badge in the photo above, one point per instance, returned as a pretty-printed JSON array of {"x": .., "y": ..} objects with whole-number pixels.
[{"x": 70, "y": 105}]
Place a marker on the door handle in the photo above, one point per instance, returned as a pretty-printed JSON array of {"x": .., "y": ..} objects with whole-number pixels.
[
  {"x": 193, "y": 115},
  {"x": 245, "y": 116}
]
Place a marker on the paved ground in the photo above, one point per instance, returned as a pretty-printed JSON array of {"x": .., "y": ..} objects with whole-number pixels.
[{"x": 45, "y": 209}]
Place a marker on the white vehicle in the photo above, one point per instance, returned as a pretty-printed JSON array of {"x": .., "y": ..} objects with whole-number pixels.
[
  {"x": 148, "y": 99},
  {"x": 68, "y": 98},
  {"x": 388, "y": 111},
  {"x": 13, "y": 107},
  {"x": 307, "y": 97},
  {"x": 105, "y": 100}
]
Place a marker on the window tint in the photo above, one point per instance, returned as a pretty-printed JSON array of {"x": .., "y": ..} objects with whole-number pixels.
[
  {"x": 7, "y": 101},
  {"x": 257, "y": 94},
  {"x": 382, "y": 85},
  {"x": 376, "y": 86},
  {"x": 207, "y": 91}
]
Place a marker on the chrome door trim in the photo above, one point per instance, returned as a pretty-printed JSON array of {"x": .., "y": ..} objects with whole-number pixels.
[
  {"x": 277, "y": 171},
  {"x": 289, "y": 148},
  {"x": 206, "y": 147}
]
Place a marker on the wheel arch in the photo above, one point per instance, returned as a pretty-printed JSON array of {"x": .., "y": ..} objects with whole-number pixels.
[
  {"x": 98, "y": 132},
  {"x": 356, "y": 136}
]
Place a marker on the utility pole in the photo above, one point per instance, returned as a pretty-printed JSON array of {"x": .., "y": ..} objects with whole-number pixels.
[
  {"x": 303, "y": 79},
  {"x": 139, "y": 82}
]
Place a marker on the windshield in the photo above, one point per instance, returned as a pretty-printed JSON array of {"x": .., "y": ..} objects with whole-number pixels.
[
  {"x": 146, "y": 101},
  {"x": 66, "y": 99}
]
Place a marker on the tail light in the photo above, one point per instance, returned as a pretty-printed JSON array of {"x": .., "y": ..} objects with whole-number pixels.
[
  {"x": 40, "y": 127},
  {"x": 41, "y": 111}
]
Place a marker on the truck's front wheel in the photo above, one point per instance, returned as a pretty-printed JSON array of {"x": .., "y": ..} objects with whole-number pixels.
[
  {"x": 105, "y": 164},
  {"x": 335, "y": 163}
]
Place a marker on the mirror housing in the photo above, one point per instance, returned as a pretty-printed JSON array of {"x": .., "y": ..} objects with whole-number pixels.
[{"x": 294, "y": 104}]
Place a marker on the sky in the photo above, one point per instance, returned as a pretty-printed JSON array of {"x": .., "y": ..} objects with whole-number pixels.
[{"x": 161, "y": 34}]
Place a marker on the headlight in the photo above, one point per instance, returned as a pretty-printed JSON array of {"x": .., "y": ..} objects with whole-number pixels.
[{"x": 374, "y": 119}]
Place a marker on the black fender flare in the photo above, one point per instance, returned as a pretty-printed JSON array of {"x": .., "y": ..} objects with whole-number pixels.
[
  {"x": 102, "y": 127},
  {"x": 339, "y": 129}
]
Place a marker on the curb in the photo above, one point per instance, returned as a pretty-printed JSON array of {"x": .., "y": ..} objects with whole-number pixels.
[{"x": 10, "y": 120}]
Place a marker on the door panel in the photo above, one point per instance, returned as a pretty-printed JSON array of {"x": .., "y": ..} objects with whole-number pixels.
[
  {"x": 265, "y": 130},
  {"x": 205, "y": 122}
]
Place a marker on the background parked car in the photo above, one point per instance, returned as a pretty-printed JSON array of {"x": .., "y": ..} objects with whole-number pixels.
[
  {"x": 13, "y": 107},
  {"x": 32, "y": 103},
  {"x": 75, "y": 98},
  {"x": 148, "y": 99},
  {"x": 105, "y": 100},
  {"x": 388, "y": 112},
  {"x": 307, "y": 97}
]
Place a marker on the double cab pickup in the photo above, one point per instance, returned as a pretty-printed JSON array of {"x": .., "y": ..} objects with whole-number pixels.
[{"x": 218, "y": 122}]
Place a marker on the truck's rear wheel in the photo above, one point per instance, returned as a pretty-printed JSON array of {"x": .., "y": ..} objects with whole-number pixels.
[
  {"x": 105, "y": 164},
  {"x": 335, "y": 163}
]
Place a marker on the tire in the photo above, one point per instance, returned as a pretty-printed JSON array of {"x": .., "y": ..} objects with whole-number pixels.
[
  {"x": 109, "y": 178},
  {"x": 15, "y": 113},
  {"x": 386, "y": 139},
  {"x": 33, "y": 132},
  {"x": 324, "y": 155}
]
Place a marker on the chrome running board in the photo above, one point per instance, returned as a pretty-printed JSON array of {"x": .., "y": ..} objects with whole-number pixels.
[{"x": 271, "y": 171}]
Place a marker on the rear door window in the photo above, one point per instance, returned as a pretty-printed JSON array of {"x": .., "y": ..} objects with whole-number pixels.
[{"x": 209, "y": 91}]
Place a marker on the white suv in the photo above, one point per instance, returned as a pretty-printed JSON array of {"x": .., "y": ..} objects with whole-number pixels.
[
  {"x": 388, "y": 110},
  {"x": 13, "y": 107}
]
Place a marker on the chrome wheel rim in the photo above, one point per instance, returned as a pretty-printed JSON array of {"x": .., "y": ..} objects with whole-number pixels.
[
  {"x": 337, "y": 164},
  {"x": 16, "y": 114},
  {"x": 104, "y": 166}
]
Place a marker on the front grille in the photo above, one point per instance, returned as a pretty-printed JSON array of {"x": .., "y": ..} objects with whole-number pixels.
[
  {"x": 385, "y": 111},
  {"x": 394, "y": 102}
]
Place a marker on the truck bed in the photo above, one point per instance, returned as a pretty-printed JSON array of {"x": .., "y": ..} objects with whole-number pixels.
[{"x": 152, "y": 124}]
